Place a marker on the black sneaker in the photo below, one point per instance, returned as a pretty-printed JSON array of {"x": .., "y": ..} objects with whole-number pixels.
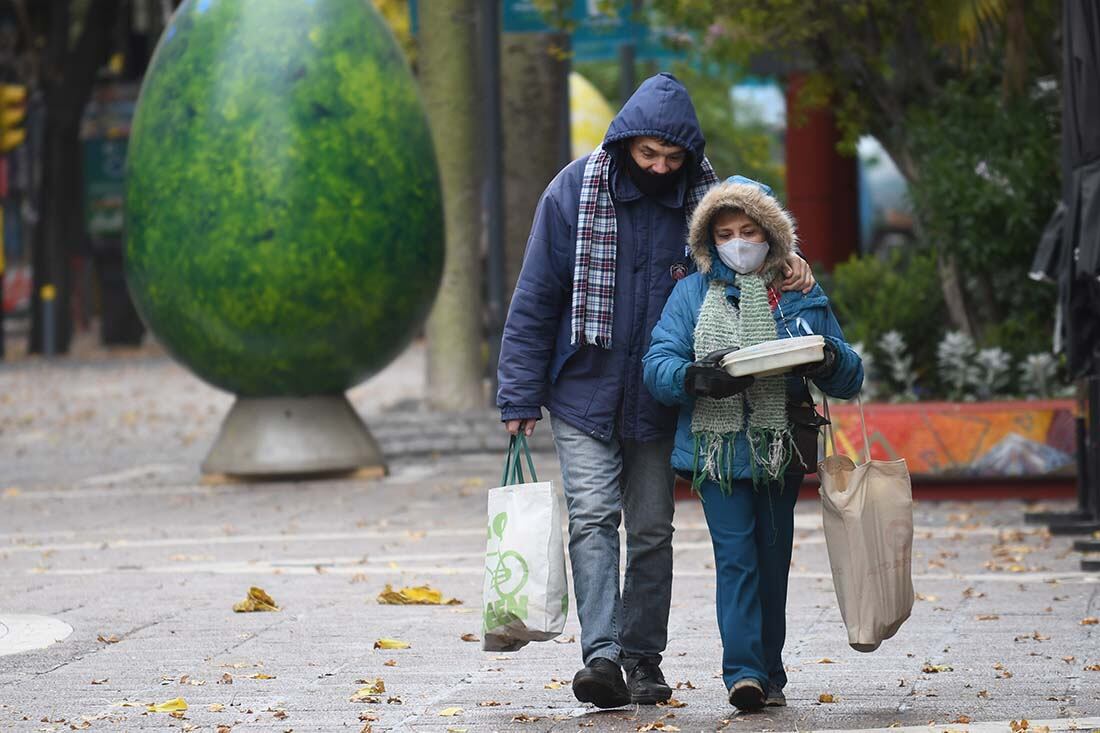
[
  {"x": 747, "y": 695},
  {"x": 776, "y": 698},
  {"x": 647, "y": 684},
  {"x": 601, "y": 683}
]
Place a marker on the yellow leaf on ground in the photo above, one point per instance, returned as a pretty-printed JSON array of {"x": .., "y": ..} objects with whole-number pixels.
[
  {"x": 257, "y": 600},
  {"x": 825, "y": 660},
  {"x": 391, "y": 644},
  {"x": 374, "y": 687},
  {"x": 826, "y": 697},
  {"x": 216, "y": 707},
  {"x": 112, "y": 639},
  {"x": 1090, "y": 621},
  {"x": 454, "y": 729},
  {"x": 552, "y": 686},
  {"x": 261, "y": 676},
  {"x": 169, "y": 706},
  {"x": 421, "y": 595},
  {"x": 450, "y": 712},
  {"x": 935, "y": 668},
  {"x": 365, "y": 694}
]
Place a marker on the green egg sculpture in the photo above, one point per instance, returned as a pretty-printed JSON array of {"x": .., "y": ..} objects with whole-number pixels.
[{"x": 284, "y": 215}]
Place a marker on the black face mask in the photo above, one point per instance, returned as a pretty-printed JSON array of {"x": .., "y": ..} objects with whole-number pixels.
[{"x": 651, "y": 184}]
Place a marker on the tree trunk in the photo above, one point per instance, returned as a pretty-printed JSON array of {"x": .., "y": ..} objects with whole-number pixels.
[
  {"x": 68, "y": 80},
  {"x": 534, "y": 94},
  {"x": 448, "y": 77},
  {"x": 1017, "y": 43},
  {"x": 953, "y": 295}
]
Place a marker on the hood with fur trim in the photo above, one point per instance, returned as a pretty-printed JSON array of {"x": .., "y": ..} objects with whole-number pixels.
[{"x": 760, "y": 206}]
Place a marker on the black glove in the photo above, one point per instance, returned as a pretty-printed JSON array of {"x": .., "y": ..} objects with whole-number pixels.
[
  {"x": 705, "y": 378},
  {"x": 822, "y": 369}
]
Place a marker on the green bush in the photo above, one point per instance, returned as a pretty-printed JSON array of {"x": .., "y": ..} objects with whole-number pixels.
[{"x": 871, "y": 296}]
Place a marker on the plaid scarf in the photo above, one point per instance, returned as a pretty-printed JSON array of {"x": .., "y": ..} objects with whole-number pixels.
[{"x": 597, "y": 245}]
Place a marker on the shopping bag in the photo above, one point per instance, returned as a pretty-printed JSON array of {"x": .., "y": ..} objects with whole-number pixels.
[
  {"x": 867, "y": 512},
  {"x": 526, "y": 596}
]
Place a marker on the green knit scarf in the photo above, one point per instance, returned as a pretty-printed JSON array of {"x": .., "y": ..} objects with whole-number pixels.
[{"x": 715, "y": 423}]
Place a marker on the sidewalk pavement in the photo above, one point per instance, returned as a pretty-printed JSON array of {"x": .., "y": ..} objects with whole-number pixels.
[{"x": 105, "y": 526}]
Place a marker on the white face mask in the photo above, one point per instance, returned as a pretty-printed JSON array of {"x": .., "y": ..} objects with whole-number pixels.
[{"x": 742, "y": 256}]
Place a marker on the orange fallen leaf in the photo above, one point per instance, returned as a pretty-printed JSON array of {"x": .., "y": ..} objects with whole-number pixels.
[
  {"x": 826, "y": 697},
  {"x": 1090, "y": 621}
]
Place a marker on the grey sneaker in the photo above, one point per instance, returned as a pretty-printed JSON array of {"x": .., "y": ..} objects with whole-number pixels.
[
  {"x": 747, "y": 695},
  {"x": 775, "y": 698}
]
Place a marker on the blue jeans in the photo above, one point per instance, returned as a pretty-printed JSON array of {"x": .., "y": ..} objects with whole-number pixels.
[
  {"x": 752, "y": 532},
  {"x": 604, "y": 484}
]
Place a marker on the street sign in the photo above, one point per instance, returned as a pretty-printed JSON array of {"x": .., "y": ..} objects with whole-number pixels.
[{"x": 596, "y": 36}]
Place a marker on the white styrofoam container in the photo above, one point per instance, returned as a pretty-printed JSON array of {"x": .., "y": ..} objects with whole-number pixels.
[{"x": 775, "y": 357}]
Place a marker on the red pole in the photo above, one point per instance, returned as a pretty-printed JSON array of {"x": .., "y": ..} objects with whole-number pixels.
[{"x": 822, "y": 184}]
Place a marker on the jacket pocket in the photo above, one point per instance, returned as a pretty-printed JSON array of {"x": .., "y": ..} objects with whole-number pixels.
[{"x": 559, "y": 360}]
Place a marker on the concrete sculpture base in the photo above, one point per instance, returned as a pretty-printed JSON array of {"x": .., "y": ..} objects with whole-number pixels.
[{"x": 284, "y": 437}]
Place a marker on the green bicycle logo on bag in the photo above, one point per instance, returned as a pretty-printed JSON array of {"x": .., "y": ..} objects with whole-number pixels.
[{"x": 507, "y": 576}]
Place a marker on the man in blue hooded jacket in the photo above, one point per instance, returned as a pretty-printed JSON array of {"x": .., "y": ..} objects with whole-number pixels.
[{"x": 607, "y": 246}]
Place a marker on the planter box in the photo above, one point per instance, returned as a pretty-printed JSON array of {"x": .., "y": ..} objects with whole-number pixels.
[
  {"x": 965, "y": 450},
  {"x": 953, "y": 440}
]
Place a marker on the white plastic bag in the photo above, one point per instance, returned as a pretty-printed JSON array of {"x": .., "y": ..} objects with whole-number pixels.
[
  {"x": 867, "y": 512},
  {"x": 526, "y": 596}
]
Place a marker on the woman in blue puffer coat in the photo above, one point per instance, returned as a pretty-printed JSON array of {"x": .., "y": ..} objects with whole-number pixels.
[{"x": 736, "y": 436}]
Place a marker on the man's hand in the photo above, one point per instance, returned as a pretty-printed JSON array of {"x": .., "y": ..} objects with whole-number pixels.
[
  {"x": 527, "y": 426},
  {"x": 797, "y": 275}
]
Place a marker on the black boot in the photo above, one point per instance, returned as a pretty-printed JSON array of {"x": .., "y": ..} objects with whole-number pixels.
[
  {"x": 647, "y": 684},
  {"x": 601, "y": 683}
]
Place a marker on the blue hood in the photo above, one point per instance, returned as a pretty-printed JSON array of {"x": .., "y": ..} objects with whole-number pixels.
[{"x": 660, "y": 108}]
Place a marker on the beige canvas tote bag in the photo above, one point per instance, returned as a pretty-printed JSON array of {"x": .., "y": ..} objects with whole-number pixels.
[{"x": 867, "y": 513}]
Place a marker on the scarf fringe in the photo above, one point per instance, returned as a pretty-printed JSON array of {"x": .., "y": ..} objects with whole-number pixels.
[{"x": 770, "y": 455}]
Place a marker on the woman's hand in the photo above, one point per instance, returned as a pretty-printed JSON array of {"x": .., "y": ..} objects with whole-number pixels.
[{"x": 797, "y": 275}]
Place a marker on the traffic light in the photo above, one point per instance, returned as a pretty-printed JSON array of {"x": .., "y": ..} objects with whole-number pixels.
[{"x": 13, "y": 109}]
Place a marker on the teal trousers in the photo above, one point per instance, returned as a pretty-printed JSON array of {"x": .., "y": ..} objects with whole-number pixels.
[{"x": 752, "y": 531}]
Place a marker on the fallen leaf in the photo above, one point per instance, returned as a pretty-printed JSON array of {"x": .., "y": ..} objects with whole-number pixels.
[
  {"x": 1069, "y": 659},
  {"x": 923, "y": 597},
  {"x": 450, "y": 712},
  {"x": 174, "y": 705},
  {"x": 12, "y": 491},
  {"x": 261, "y": 676},
  {"x": 489, "y": 704},
  {"x": 281, "y": 715},
  {"x": 470, "y": 637},
  {"x": 1090, "y": 621},
  {"x": 984, "y": 694},
  {"x": 224, "y": 729},
  {"x": 373, "y": 687},
  {"x": 672, "y": 703},
  {"x": 971, "y": 593},
  {"x": 100, "y": 682},
  {"x": 987, "y": 617},
  {"x": 524, "y": 718},
  {"x": 1018, "y": 726},
  {"x": 112, "y": 639},
  {"x": 964, "y": 719},
  {"x": 936, "y": 668},
  {"x": 216, "y": 707},
  {"x": 391, "y": 644},
  {"x": 1093, "y": 668},
  {"x": 257, "y": 600},
  {"x": 825, "y": 660},
  {"x": 826, "y": 697},
  {"x": 421, "y": 595},
  {"x": 394, "y": 700},
  {"x": 552, "y": 686},
  {"x": 685, "y": 685},
  {"x": 453, "y": 729},
  {"x": 227, "y": 679},
  {"x": 565, "y": 640},
  {"x": 389, "y": 663}
]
